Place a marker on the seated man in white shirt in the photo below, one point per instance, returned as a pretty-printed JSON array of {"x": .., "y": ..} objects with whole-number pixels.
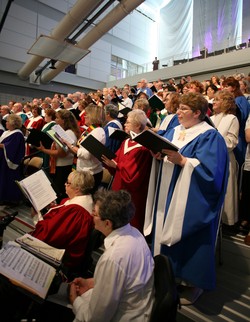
[{"x": 122, "y": 287}]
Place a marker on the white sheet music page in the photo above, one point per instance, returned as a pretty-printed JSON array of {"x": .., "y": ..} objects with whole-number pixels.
[
  {"x": 39, "y": 189},
  {"x": 32, "y": 243},
  {"x": 26, "y": 270},
  {"x": 62, "y": 134}
]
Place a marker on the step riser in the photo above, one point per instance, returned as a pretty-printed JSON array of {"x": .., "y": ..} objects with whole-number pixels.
[{"x": 236, "y": 255}]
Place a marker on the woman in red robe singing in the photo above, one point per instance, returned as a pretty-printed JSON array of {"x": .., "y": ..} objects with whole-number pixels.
[{"x": 132, "y": 166}]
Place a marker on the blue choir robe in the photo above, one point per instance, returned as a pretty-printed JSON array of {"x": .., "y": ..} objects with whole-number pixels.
[
  {"x": 168, "y": 123},
  {"x": 112, "y": 144},
  {"x": 184, "y": 205},
  {"x": 242, "y": 115}
]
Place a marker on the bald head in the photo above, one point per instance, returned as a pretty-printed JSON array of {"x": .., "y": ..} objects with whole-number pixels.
[{"x": 17, "y": 107}]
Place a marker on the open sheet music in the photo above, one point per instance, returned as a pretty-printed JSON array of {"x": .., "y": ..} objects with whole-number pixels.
[
  {"x": 123, "y": 110},
  {"x": 26, "y": 270},
  {"x": 38, "y": 189},
  {"x": 49, "y": 254},
  {"x": 59, "y": 135},
  {"x": 62, "y": 134}
]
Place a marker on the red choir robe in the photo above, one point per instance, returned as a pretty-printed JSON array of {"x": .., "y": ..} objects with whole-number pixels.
[
  {"x": 66, "y": 227},
  {"x": 132, "y": 174},
  {"x": 34, "y": 123}
]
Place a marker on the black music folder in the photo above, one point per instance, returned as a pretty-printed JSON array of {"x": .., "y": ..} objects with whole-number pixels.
[
  {"x": 118, "y": 134},
  {"x": 156, "y": 103},
  {"x": 124, "y": 111},
  {"x": 153, "y": 141},
  {"x": 36, "y": 136},
  {"x": 96, "y": 148}
]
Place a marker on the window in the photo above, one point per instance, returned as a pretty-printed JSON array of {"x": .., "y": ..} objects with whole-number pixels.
[{"x": 122, "y": 68}]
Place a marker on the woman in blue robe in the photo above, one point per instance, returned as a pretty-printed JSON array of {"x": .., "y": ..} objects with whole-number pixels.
[
  {"x": 243, "y": 109},
  {"x": 184, "y": 212},
  {"x": 12, "y": 149}
]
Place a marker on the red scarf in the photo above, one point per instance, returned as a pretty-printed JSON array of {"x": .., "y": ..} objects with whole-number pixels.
[{"x": 52, "y": 160}]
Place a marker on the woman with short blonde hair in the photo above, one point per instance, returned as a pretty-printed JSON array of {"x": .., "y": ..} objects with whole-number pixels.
[
  {"x": 83, "y": 181},
  {"x": 227, "y": 102},
  {"x": 15, "y": 121},
  {"x": 95, "y": 114},
  {"x": 69, "y": 226}
]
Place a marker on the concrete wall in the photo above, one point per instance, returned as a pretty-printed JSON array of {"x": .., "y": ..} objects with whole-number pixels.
[
  {"x": 201, "y": 69},
  {"x": 28, "y": 19}
]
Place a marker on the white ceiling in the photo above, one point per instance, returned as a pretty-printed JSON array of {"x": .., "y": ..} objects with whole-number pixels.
[
  {"x": 151, "y": 8},
  {"x": 157, "y": 3}
]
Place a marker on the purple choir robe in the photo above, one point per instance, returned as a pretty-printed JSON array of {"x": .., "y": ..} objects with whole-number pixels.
[{"x": 10, "y": 159}]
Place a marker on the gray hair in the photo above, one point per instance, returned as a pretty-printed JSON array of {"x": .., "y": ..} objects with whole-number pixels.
[
  {"x": 138, "y": 117},
  {"x": 115, "y": 206},
  {"x": 112, "y": 110}
]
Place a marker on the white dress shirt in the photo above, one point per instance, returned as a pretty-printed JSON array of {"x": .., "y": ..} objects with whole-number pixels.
[
  {"x": 85, "y": 160},
  {"x": 123, "y": 287}
]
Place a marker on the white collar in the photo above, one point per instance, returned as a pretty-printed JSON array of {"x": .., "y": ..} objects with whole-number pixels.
[
  {"x": 8, "y": 133},
  {"x": 129, "y": 148},
  {"x": 85, "y": 201},
  {"x": 109, "y": 240},
  {"x": 190, "y": 133},
  {"x": 118, "y": 123}
]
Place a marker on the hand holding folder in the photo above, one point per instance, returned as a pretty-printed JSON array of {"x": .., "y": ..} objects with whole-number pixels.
[
  {"x": 96, "y": 148},
  {"x": 59, "y": 135}
]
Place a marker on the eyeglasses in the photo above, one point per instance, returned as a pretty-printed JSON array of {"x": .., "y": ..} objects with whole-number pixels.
[
  {"x": 95, "y": 215},
  {"x": 183, "y": 109}
]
